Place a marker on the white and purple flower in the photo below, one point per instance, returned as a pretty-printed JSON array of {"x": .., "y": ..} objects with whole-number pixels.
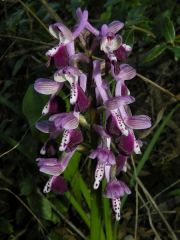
[{"x": 115, "y": 190}]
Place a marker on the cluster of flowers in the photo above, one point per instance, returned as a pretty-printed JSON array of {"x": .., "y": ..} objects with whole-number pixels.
[{"x": 119, "y": 120}]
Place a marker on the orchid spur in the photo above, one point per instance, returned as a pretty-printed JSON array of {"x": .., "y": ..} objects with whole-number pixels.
[{"x": 85, "y": 77}]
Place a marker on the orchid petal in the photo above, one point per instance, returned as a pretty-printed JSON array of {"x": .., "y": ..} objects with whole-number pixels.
[
  {"x": 75, "y": 139},
  {"x": 61, "y": 58},
  {"x": 58, "y": 116},
  {"x": 121, "y": 161},
  {"x": 124, "y": 90},
  {"x": 110, "y": 43},
  {"x": 93, "y": 154},
  {"x": 127, "y": 48},
  {"x": 83, "y": 81},
  {"x": 83, "y": 21},
  {"x": 70, "y": 49},
  {"x": 121, "y": 54},
  {"x": 65, "y": 120},
  {"x": 61, "y": 32},
  {"x": 70, "y": 122},
  {"x": 79, "y": 57},
  {"x": 138, "y": 122},
  {"x": 116, "y": 207},
  {"x": 82, "y": 100},
  {"x": 65, "y": 140},
  {"x": 119, "y": 122},
  {"x": 101, "y": 131},
  {"x": 46, "y": 86},
  {"x": 88, "y": 25},
  {"x": 121, "y": 89},
  {"x": 66, "y": 157},
  {"x": 126, "y": 144},
  {"x": 126, "y": 72},
  {"x": 53, "y": 51},
  {"x": 137, "y": 149},
  {"x": 104, "y": 30},
  {"x": 107, "y": 170},
  {"x": 116, "y": 189},
  {"x": 58, "y": 185},
  {"x": 99, "y": 173},
  {"x": 112, "y": 127},
  {"x": 50, "y": 166},
  {"x": 47, "y": 187},
  {"x": 46, "y": 126},
  {"x": 116, "y": 102},
  {"x": 74, "y": 92},
  {"x": 115, "y": 26},
  {"x": 98, "y": 80}
]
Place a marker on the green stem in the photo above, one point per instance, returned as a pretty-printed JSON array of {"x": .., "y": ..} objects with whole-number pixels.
[{"x": 78, "y": 208}]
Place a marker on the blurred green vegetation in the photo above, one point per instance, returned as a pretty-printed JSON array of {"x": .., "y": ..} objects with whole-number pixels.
[{"x": 152, "y": 28}]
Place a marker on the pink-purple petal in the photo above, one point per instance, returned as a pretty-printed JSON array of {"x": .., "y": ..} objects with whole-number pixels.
[
  {"x": 116, "y": 102},
  {"x": 59, "y": 185},
  {"x": 82, "y": 23},
  {"x": 115, "y": 26},
  {"x": 126, "y": 72},
  {"x": 46, "y": 86},
  {"x": 116, "y": 189},
  {"x": 76, "y": 138},
  {"x": 121, "y": 161},
  {"x": 126, "y": 144},
  {"x": 46, "y": 126},
  {"x": 138, "y": 122},
  {"x": 59, "y": 28},
  {"x": 82, "y": 100}
]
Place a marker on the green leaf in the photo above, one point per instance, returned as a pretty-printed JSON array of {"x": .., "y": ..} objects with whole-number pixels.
[
  {"x": 105, "y": 16},
  {"x": 72, "y": 167},
  {"x": 155, "y": 52},
  {"x": 18, "y": 66},
  {"x": 5, "y": 226},
  {"x": 40, "y": 206},
  {"x": 176, "y": 51},
  {"x": 168, "y": 30},
  {"x": 129, "y": 37},
  {"x": 27, "y": 186},
  {"x": 33, "y": 104},
  {"x": 175, "y": 192},
  {"x": 84, "y": 216}
]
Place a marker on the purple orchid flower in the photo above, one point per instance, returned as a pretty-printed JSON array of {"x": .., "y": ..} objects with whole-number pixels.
[
  {"x": 105, "y": 157},
  {"x": 105, "y": 160},
  {"x": 54, "y": 167},
  {"x": 62, "y": 122},
  {"x": 115, "y": 190},
  {"x": 67, "y": 122},
  {"x": 65, "y": 48},
  {"x": 113, "y": 105},
  {"x": 48, "y": 87},
  {"x": 71, "y": 138},
  {"x": 77, "y": 95},
  {"x": 110, "y": 41}
]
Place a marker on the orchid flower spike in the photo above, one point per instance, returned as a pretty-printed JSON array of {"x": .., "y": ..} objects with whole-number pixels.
[{"x": 113, "y": 123}]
